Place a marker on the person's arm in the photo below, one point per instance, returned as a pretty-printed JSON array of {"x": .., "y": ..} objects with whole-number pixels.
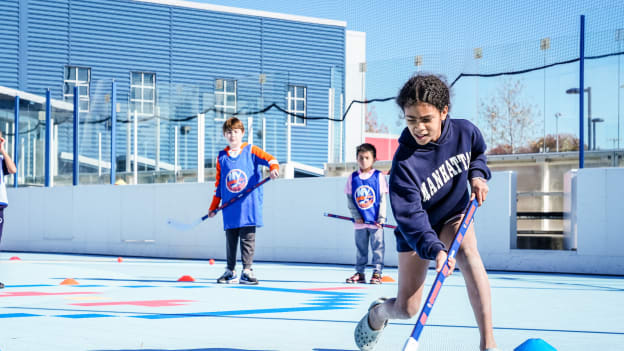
[
  {"x": 9, "y": 165},
  {"x": 383, "y": 190},
  {"x": 381, "y": 218},
  {"x": 216, "y": 198},
  {"x": 354, "y": 211},
  {"x": 478, "y": 172},
  {"x": 267, "y": 160},
  {"x": 412, "y": 219}
]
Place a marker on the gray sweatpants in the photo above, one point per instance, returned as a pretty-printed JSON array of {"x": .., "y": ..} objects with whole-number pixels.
[
  {"x": 247, "y": 236},
  {"x": 376, "y": 238}
]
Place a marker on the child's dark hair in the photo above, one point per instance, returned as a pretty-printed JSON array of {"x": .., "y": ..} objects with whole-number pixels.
[
  {"x": 428, "y": 88},
  {"x": 233, "y": 123},
  {"x": 366, "y": 147}
]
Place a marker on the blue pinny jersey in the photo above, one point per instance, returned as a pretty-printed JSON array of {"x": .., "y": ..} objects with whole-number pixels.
[
  {"x": 365, "y": 195},
  {"x": 237, "y": 174}
]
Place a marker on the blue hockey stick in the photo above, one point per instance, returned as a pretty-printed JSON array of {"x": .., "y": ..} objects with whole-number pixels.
[
  {"x": 412, "y": 341},
  {"x": 240, "y": 196}
]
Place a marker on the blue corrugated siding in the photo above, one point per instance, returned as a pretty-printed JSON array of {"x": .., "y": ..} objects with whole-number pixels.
[
  {"x": 9, "y": 44},
  {"x": 306, "y": 53},
  {"x": 187, "y": 49}
]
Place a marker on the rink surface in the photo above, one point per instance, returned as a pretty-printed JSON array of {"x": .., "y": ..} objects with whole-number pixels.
[{"x": 138, "y": 304}]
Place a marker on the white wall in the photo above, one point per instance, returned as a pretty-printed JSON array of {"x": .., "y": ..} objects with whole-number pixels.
[
  {"x": 355, "y": 85},
  {"x": 131, "y": 221}
]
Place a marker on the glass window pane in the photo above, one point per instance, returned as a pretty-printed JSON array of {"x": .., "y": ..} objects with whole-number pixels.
[
  {"x": 300, "y": 120},
  {"x": 231, "y": 100},
  {"x": 300, "y": 93},
  {"x": 230, "y": 86},
  {"x": 300, "y": 106},
  {"x": 219, "y": 99},
  {"x": 219, "y": 85},
  {"x": 136, "y": 78},
  {"x": 133, "y": 106},
  {"x": 83, "y": 91},
  {"x": 148, "y": 79},
  {"x": 83, "y": 74},
  {"x": 148, "y": 108},
  {"x": 134, "y": 93},
  {"x": 84, "y": 105},
  {"x": 70, "y": 73},
  {"x": 291, "y": 90},
  {"x": 69, "y": 88},
  {"x": 148, "y": 94}
]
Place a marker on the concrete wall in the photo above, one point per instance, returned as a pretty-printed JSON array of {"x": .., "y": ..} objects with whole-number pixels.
[{"x": 131, "y": 221}]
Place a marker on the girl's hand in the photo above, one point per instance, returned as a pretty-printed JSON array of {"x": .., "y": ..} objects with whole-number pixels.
[
  {"x": 479, "y": 189},
  {"x": 441, "y": 258}
]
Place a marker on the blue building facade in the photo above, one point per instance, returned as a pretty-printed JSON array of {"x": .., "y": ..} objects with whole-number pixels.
[{"x": 172, "y": 60}]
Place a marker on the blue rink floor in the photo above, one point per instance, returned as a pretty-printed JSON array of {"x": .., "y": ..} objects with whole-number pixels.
[{"x": 137, "y": 304}]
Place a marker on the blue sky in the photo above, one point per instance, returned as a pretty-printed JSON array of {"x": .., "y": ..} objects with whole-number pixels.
[{"x": 509, "y": 32}]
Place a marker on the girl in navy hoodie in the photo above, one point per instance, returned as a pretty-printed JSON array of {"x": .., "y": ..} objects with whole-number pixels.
[{"x": 436, "y": 159}]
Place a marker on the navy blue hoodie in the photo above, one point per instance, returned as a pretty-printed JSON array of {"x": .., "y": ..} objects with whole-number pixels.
[{"x": 429, "y": 183}]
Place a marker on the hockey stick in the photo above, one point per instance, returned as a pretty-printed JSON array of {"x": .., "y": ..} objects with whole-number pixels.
[
  {"x": 240, "y": 196},
  {"x": 353, "y": 220},
  {"x": 412, "y": 341}
]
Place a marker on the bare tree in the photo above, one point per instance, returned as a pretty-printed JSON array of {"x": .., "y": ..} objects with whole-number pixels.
[
  {"x": 509, "y": 120},
  {"x": 372, "y": 122}
]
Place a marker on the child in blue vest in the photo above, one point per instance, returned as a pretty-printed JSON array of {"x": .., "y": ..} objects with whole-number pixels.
[
  {"x": 238, "y": 168},
  {"x": 366, "y": 191},
  {"x": 436, "y": 160},
  {"x": 8, "y": 167}
]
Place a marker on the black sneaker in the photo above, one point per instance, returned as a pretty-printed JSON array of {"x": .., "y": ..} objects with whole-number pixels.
[
  {"x": 1, "y": 286},
  {"x": 357, "y": 278},
  {"x": 228, "y": 277},
  {"x": 248, "y": 277}
]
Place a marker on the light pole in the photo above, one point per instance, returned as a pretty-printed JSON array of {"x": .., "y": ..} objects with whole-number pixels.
[
  {"x": 588, "y": 91},
  {"x": 594, "y": 121},
  {"x": 557, "y": 115}
]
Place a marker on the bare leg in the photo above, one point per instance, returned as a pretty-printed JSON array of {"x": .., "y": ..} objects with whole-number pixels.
[
  {"x": 412, "y": 274},
  {"x": 477, "y": 283}
]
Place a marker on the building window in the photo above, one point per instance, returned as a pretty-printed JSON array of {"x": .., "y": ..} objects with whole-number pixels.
[
  {"x": 297, "y": 104},
  {"x": 142, "y": 93},
  {"x": 225, "y": 98},
  {"x": 77, "y": 77}
]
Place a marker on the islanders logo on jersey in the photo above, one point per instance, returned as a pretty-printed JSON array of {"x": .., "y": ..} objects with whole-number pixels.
[
  {"x": 364, "y": 197},
  {"x": 236, "y": 181}
]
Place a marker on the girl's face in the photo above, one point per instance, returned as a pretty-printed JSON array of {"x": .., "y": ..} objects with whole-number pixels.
[
  {"x": 424, "y": 122},
  {"x": 234, "y": 137},
  {"x": 365, "y": 160}
]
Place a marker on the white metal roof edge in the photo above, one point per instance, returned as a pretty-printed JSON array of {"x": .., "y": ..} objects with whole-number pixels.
[
  {"x": 61, "y": 105},
  {"x": 249, "y": 12}
]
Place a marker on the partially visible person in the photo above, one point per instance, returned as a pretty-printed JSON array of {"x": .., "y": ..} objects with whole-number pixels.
[
  {"x": 8, "y": 167},
  {"x": 366, "y": 191}
]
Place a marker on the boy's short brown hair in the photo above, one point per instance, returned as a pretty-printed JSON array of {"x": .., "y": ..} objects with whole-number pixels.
[
  {"x": 366, "y": 147},
  {"x": 233, "y": 123}
]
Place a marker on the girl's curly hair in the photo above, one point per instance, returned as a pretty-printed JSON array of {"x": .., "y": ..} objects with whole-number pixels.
[{"x": 428, "y": 88}]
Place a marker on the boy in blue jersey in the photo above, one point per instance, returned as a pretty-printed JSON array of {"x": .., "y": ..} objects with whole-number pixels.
[
  {"x": 436, "y": 159},
  {"x": 366, "y": 191},
  {"x": 8, "y": 167},
  {"x": 238, "y": 167}
]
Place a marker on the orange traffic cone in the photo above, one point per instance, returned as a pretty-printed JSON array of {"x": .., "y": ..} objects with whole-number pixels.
[
  {"x": 186, "y": 278},
  {"x": 387, "y": 279}
]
